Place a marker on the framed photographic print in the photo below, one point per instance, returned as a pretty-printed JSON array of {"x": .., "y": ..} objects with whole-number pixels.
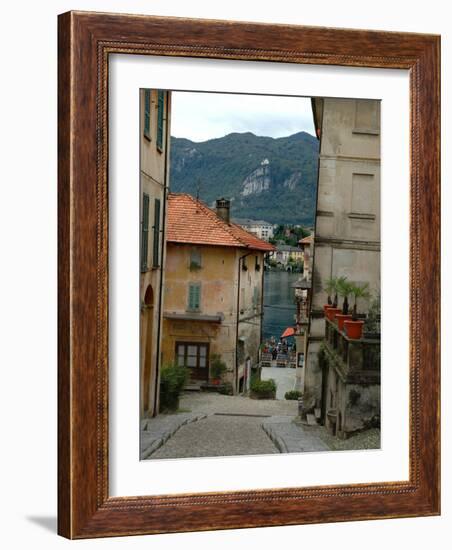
[{"x": 248, "y": 275}]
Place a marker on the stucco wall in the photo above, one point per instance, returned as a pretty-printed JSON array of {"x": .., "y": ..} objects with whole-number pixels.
[
  {"x": 347, "y": 231},
  {"x": 154, "y": 175}
]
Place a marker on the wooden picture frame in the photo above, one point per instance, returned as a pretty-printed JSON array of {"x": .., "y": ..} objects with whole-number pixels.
[{"x": 86, "y": 40}]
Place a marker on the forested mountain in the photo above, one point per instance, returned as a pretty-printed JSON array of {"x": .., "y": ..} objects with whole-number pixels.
[{"x": 265, "y": 178}]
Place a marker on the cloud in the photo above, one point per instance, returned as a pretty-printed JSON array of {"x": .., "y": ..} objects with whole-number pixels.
[{"x": 201, "y": 116}]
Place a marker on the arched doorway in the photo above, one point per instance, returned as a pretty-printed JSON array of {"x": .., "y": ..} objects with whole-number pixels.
[{"x": 148, "y": 349}]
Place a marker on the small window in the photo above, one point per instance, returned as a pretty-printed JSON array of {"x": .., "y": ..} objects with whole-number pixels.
[
  {"x": 194, "y": 296},
  {"x": 256, "y": 297},
  {"x": 195, "y": 259},
  {"x": 192, "y": 355},
  {"x": 257, "y": 265},
  {"x": 147, "y": 114},
  {"x": 160, "y": 112}
]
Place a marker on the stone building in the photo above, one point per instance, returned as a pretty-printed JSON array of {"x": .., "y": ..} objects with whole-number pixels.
[
  {"x": 155, "y": 108},
  {"x": 262, "y": 229},
  {"x": 285, "y": 254},
  {"x": 346, "y": 243},
  {"x": 213, "y": 291},
  {"x": 306, "y": 245}
]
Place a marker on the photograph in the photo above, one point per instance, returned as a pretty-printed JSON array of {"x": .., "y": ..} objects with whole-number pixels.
[{"x": 259, "y": 274}]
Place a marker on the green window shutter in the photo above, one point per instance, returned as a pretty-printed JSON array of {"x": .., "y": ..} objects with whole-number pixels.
[
  {"x": 147, "y": 113},
  {"x": 194, "y": 296},
  {"x": 255, "y": 296},
  {"x": 160, "y": 111},
  {"x": 156, "y": 244},
  {"x": 144, "y": 232}
]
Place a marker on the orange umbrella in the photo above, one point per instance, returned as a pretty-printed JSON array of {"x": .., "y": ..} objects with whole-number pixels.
[{"x": 290, "y": 331}]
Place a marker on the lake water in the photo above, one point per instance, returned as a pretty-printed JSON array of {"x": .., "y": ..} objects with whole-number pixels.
[{"x": 279, "y": 304}]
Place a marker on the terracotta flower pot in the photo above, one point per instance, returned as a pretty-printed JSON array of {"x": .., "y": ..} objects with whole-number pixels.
[
  {"x": 340, "y": 318},
  {"x": 353, "y": 329},
  {"x": 331, "y": 312},
  {"x": 215, "y": 381},
  {"x": 326, "y": 306}
]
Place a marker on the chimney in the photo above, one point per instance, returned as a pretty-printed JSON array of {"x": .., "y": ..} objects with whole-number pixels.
[{"x": 223, "y": 207}]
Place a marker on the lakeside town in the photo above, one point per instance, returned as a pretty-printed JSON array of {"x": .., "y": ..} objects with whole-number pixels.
[{"x": 260, "y": 337}]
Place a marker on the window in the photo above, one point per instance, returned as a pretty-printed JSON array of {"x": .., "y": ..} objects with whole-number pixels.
[
  {"x": 256, "y": 297},
  {"x": 147, "y": 114},
  {"x": 257, "y": 265},
  {"x": 144, "y": 232},
  {"x": 160, "y": 110},
  {"x": 195, "y": 259},
  {"x": 192, "y": 355},
  {"x": 194, "y": 296},
  {"x": 156, "y": 243}
]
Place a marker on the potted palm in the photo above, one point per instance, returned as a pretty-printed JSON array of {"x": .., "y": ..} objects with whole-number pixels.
[
  {"x": 344, "y": 289},
  {"x": 330, "y": 309},
  {"x": 354, "y": 326},
  {"x": 329, "y": 289}
]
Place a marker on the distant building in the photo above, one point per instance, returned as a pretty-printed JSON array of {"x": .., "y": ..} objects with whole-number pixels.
[
  {"x": 306, "y": 244},
  {"x": 213, "y": 291},
  {"x": 262, "y": 229},
  {"x": 285, "y": 254},
  {"x": 155, "y": 109}
]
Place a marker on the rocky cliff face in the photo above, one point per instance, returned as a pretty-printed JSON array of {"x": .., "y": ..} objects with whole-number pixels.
[
  {"x": 259, "y": 180},
  {"x": 265, "y": 178}
]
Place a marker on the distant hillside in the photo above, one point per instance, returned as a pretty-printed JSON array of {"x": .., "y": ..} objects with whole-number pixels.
[{"x": 265, "y": 178}]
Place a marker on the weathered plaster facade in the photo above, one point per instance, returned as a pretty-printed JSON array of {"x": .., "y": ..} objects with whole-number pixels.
[
  {"x": 154, "y": 174},
  {"x": 347, "y": 229},
  {"x": 229, "y": 317}
]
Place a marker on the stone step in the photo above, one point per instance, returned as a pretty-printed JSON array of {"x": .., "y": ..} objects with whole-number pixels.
[{"x": 311, "y": 419}]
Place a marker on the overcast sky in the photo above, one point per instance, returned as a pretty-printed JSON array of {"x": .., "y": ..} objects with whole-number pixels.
[{"x": 201, "y": 116}]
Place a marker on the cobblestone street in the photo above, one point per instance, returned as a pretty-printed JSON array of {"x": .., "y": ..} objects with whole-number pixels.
[
  {"x": 219, "y": 436},
  {"x": 211, "y": 424}
]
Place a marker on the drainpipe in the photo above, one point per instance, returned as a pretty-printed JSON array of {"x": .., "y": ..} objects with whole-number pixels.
[
  {"x": 236, "y": 374},
  {"x": 262, "y": 302},
  {"x": 162, "y": 260}
]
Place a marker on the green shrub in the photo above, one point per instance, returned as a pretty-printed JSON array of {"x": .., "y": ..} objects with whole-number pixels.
[
  {"x": 217, "y": 366},
  {"x": 292, "y": 395},
  {"x": 226, "y": 389},
  {"x": 172, "y": 381},
  {"x": 263, "y": 389}
]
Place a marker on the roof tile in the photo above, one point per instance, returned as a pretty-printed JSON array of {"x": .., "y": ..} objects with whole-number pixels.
[{"x": 191, "y": 221}]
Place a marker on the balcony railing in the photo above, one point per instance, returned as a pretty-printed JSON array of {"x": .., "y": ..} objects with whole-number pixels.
[{"x": 355, "y": 360}]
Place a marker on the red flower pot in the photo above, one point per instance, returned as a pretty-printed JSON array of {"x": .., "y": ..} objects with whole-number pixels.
[
  {"x": 354, "y": 329},
  {"x": 340, "y": 318},
  {"x": 331, "y": 312},
  {"x": 215, "y": 381},
  {"x": 326, "y": 306}
]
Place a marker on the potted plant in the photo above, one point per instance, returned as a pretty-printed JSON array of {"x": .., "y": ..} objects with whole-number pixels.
[
  {"x": 172, "y": 381},
  {"x": 217, "y": 368},
  {"x": 331, "y": 308},
  {"x": 354, "y": 326},
  {"x": 263, "y": 389},
  {"x": 372, "y": 322},
  {"x": 329, "y": 289},
  {"x": 344, "y": 289}
]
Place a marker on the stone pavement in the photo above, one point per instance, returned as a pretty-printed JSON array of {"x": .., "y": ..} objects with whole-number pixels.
[
  {"x": 211, "y": 403},
  {"x": 218, "y": 435},
  {"x": 290, "y": 437},
  {"x": 156, "y": 431},
  {"x": 223, "y": 425}
]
